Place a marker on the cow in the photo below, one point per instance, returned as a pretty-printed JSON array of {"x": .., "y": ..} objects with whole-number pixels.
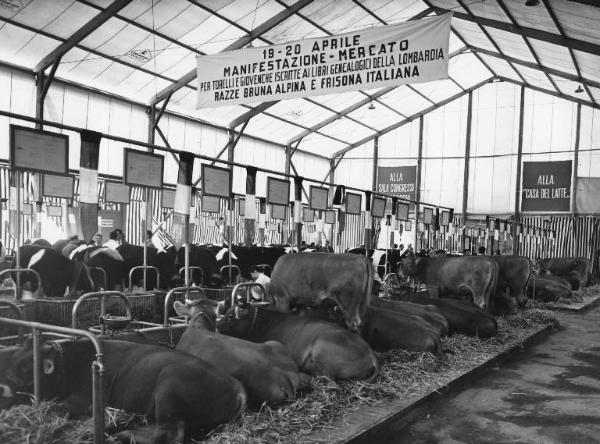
[
  {"x": 463, "y": 316},
  {"x": 267, "y": 371},
  {"x": 549, "y": 289},
  {"x": 163, "y": 260},
  {"x": 514, "y": 272},
  {"x": 379, "y": 257},
  {"x": 310, "y": 278},
  {"x": 475, "y": 276},
  {"x": 105, "y": 258},
  {"x": 170, "y": 387},
  {"x": 56, "y": 271},
  {"x": 429, "y": 313},
  {"x": 244, "y": 257},
  {"x": 318, "y": 347},
  {"x": 200, "y": 256},
  {"x": 574, "y": 269}
]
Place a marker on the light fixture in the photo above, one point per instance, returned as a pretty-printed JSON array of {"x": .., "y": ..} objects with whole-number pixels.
[
  {"x": 371, "y": 105},
  {"x": 532, "y": 2},
  {"x": 579, "y": 89},
  {"x": 250, "y": 44}
]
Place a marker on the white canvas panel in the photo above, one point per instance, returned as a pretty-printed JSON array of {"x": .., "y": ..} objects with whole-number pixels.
[
  {"x": 400, "y": 146},
  {"x": 512, "y": 45},
  {"x": 554, "y": 56},
  {"x": 467, "y": 70},
  {"x": 378, "y": 118},
  {"x": 405, "y": 100},
  {"x": 347, "y": 130},
  {"x": 438, "y": 90},
  {"x": 578, "y": 21}
]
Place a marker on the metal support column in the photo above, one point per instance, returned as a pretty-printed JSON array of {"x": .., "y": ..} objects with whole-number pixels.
[
  {"x": 418, "y": 184},
  {"x": 516, "y": 249},
  {"x": 467, "y": 165},
  {"x": 574, "y": 182}
]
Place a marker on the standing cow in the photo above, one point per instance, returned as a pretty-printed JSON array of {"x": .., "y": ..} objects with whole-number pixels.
[
  {"x": 514, "y": 273},
  {"x": 476, "y": 276},
  {"x": 310, "y": 278}
]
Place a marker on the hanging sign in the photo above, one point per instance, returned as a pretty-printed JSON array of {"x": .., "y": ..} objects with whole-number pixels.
[
  {"x": 408, "y": 52},
  {"x": 242, "y": 207},
  {"x": 402, "y": 211},
  {"x": 278, "y": 212},
  {"x": 143, "y": 169},
  {"x": 116, "y": 192},
  {"x": 167, "y": 198},
  {"x": 445, "y": 218},
  {"x": 378, "y": 206},
  {"x": 27, "y": 209},
  {"x": 353, "y": 203},
  {"x": 216, "y": 181},
  {"x": 58, "y": 186},
  {"x": 408, "y": 225},
  {"x": 211, "y": 204},
  {"x": 398, "y": 181},
  {"x": 330, "y": 216},
  {"x": 308, "y": 215},
  {"x": 318, "y": 198},
  {"x": 37, "y": 150},
  {"x": 278, "y": 191},
  {"x": 546, "y": 186},
  {"x": 427, "y": 216},
  {"x": 54, "y": 210}
]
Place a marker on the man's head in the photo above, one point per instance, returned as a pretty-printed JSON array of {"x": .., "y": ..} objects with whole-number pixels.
[
  {"x": 113, "y": 235},
  {"x": 254, "y": 272},
  {"x": 148, "y": 234},
  {"x": 98, "y": 239},
  {"x": 481, "y": 250}
]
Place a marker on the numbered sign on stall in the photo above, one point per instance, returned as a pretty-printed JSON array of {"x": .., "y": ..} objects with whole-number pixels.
[
  {"x": 168, "y": 198},
  {"x": 318, "y": 198},
  {"x": 308, "y": 215},
  {"x": 211, "y": 204},
  {"x": 116, "y": 192},
  {"x": 37, "y": 150},
  {"x": 278, "y": 191},
  {"x": 445, "y": 218},
  {"x": 329, "y": 216},
  {"x": 353, "y": 203},
  {"x": 427, "y": 216},
  {"x": 216, "y": 181},
  {"x": 402, "y": 211}
]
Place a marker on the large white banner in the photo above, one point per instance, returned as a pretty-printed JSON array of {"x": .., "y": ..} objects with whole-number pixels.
[{"x": 409, "y": 52}]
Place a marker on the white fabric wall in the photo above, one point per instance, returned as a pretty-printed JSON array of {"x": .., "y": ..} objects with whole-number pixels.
[{"x": 589, "y": 161}]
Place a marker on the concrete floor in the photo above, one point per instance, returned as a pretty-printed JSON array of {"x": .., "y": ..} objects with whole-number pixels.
[{"x": 548, "y": 394}]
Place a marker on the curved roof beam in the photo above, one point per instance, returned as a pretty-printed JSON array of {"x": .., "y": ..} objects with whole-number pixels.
[{"x": 240, "y": 43}]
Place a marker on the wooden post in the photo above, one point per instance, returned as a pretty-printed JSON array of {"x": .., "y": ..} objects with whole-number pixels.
[
  {"x": 516, "y": 249},
  {"x": 418, "y": 184},
  {"x": 467, "y": 165},
  {"x": 334, "y": 230}
]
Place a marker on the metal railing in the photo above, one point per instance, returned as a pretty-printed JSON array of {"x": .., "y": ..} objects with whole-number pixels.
[
  {"x": 248, "y": 286},
  {"x": 18, "y": 312},
  {"x": 190, "y": 268},
  {"x": 97, "y": 367},
  {"x": 170, "y": 294},
  {"x": 230, "y": 269},
  {"x": 104, "y": 275},
  {"x": 20, "y": 271},
  {"x": 103, "y": 295},
  {"x": 143, "y": 267}
]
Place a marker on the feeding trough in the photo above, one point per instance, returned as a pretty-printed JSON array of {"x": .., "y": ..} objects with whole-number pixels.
[{"x": 106, "y": 322}]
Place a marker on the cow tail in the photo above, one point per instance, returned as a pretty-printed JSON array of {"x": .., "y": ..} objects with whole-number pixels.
[{"x": 491, "y": 289}]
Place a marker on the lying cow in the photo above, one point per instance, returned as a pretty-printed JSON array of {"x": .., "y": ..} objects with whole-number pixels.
[
  {"x": 462, "y": 316},
  {"x": 475, "y": 276},
  {"x": 171, "y": 387},
  {"x": 310, "y": 278},
  {"x": 429, "y": 313},
  {"x": 267, "y": 371},
  {"x": 574, "y": 269},
  {"x": 57, "y": 272},
  {"x": 549, "y": 289},
  {"x": 318, "y": 347}
]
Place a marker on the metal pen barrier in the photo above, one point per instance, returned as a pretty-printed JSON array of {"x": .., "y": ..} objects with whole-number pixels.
[
  {"x": 230, "y": 268},
  {"x": 20, "y": 271},
  {"x": 104, "y": 276},
  {"x": 97, "y": 367},
  {"x": 143, "y": 267},
  {"x": 193, "y": 267},
  {"x": 103, "y": 295},
  {"x": 248, "y": 286},
  {"x": 170, "y": 294},
  {"x": 18, "y": 312}
]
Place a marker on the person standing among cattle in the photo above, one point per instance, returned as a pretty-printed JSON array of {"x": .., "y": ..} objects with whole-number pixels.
[
  {"x": 112, "y": 241},
  {"x": 260, "y": 278}
]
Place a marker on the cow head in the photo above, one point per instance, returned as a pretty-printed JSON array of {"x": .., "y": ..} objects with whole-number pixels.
[
  {"x": 200, "y": 311},
  {"x": 16, "y": 374},
  {"x": 407, "y": 266}
]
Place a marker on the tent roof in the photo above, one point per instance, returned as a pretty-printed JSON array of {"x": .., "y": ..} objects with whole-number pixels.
[{"x": 145, "y": 50}]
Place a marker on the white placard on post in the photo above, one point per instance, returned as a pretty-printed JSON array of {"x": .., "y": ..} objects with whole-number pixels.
[
  {"x": 427, "y": 216},
  {"x": 143, "y": 169},
  {"x": 211, "y": 204},
  {"x": 116, "y": 192},
  {"x": 37, "y": 150},
  {"x": 402, "y": 209},
  {"x": 58, "y": 186},
  {"x": 27, "y": 209},
  {"x": 168, "y": 198}
]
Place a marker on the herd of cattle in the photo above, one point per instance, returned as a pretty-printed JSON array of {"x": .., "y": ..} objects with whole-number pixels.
[{"x": 327, "y": 319}]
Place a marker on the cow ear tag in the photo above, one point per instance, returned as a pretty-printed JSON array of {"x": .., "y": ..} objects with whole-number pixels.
[{"x": 48, "y": 366}]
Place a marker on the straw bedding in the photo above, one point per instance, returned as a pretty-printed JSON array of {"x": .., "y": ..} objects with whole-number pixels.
[{"x": 404, "y": 375}]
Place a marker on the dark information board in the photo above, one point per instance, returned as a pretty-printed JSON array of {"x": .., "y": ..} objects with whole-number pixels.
[
  {"x": 546, "y": 186},
  {"x": 397, "y": 181}
]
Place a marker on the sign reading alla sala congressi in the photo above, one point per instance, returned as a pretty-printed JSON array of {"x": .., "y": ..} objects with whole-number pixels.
[
  {"x": 409, "y": 52},
  {"x": 546, "y": 186},
  {"x": 397, "y": 181}
]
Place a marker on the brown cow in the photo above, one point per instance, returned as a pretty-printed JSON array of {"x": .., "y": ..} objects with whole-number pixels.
[
  {"x": 310, "y": 278},
  {"x": 474, "y": 275},
  {"x": 512, "y": 280},
  {"x": 267, "y": 371},
  {"x": 573, "y": 269}
]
